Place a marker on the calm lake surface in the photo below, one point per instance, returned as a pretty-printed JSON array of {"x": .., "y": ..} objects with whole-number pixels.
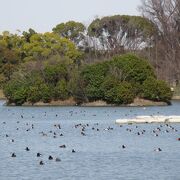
[{"x": 99, "y": 154}]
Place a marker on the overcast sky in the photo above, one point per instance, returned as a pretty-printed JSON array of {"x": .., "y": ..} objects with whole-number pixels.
[{"x": 43, "y": 15}]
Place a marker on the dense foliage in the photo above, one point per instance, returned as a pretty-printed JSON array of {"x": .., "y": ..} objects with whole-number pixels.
[
  {"x": 156, "y": 90},
  {"x": 84, "y": 64},
  {"x": 116, "y": 81},
  {"x": 120, "y": 80}
]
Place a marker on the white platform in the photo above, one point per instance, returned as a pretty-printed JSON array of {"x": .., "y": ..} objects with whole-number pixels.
[{"x": 150, "y": 119}]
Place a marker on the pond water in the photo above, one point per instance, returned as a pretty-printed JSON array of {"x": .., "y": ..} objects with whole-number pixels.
[{"x": 98, "y": 149}]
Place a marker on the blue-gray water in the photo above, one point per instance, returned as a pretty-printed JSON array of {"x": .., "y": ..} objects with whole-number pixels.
[{"x": 99, "y": 155}]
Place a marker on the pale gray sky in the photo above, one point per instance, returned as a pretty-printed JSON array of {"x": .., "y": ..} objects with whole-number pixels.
[{"x": 43, "y": 15}]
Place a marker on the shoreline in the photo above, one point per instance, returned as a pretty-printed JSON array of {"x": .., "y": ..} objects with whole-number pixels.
[
  {"x": 176, "y": 98},
  {"x": 70, "y": 102}
]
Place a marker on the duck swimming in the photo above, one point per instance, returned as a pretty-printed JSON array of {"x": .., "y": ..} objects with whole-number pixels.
[
  {"x": 63, "y": 146},
  {"x": 27, "y": 149},
  {"x": 50, "y": 157},
  {"x": 13, "y": 155},
  {"x": 158, "y": 149},
  {"x": 38, "y": 154},
  {"x": 123, "y": 146},
  {"x": 41, "y": 163},
  {"x": 73, "y": 151}
]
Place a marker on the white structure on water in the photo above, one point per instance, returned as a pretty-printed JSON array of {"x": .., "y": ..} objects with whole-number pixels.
[{"x": 150, "y": 119}]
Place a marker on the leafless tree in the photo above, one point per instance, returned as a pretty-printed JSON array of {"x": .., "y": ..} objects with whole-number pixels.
[{"x": 165, "y": 14}]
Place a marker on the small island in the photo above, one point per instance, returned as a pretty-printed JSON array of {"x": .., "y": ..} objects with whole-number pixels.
[
  {"x": 68, "y": 67},
  {"x": 118, "y": 81}
]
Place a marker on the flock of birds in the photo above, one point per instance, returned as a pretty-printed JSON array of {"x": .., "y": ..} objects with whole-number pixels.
[{"x": 57, "y": 131}]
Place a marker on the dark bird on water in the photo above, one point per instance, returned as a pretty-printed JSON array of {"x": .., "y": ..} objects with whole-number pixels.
[
  {"x": 73, "y": 151},
  {"x": 41, "y": 163},
  {"x": 27, "y": 149},
  {"x": 13, "y": 155},
  {"x": 63, "y": 146},
  {"x": 50, "y": 157},
  {"x": 123, "y": 146},
  {"x": 158, "y": 149},
  {"x": 38, "y": 154}
]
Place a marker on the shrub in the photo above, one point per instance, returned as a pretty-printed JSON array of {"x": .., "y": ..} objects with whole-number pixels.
[
  {"x": 46, "y": 93},
  {"x": 76, "y": 87},
  {"x": 93, "y": 76},
  {"x": 20, "y": 95},
  {"x": 133, "y": 68},
  {"x": 15, "y": 91},
  {"x": 156, "y": 90},
  {"x": 60, "y": 91},
  {"x": 120, "y": 94},
  {"x": 54, "y": 73},
  {"x": 33, "y": 95},
  {"x": 109, "y": 83}
]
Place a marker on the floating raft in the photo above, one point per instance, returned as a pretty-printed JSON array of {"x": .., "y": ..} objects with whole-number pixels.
[{"x": 150, "y": 119}]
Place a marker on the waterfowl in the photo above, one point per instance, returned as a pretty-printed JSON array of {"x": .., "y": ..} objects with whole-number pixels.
[
  {"x": 82, "y": 133},
  {"x": 38, "y": 154},
  {"x": 59, "y": 126},
  {"x": 27, "y": 149},
  {"x": 50, "y": 157},
  {"x": 13, "y": 155},
  {"x": 63, "y": 146},
  {"x": 41, "y": 163},
  {"x": 123, "y": 146},
  {"x": 73, "y": 151},
  {"x": 158, "y": 149}
]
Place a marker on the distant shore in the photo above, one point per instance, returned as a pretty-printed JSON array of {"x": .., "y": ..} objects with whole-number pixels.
[{"x": 70, "y": 102}]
